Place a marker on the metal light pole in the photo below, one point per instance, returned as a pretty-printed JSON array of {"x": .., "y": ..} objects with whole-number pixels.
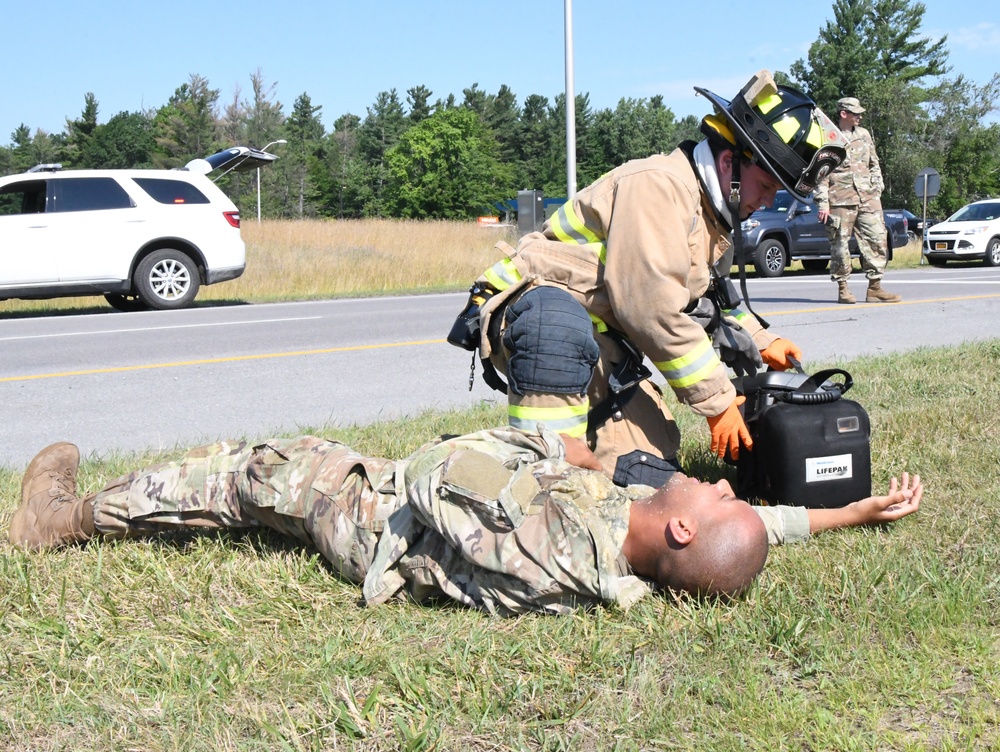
[
  {"x": 279, "y": 141},
  {"x": 570, "y": 106}
]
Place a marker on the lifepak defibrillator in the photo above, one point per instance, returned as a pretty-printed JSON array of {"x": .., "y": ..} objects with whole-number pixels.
[{"x": 811, "y": 446}]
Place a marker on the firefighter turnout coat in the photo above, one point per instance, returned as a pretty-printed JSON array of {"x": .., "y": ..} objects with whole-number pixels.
[{"x": 636, "y": 248}]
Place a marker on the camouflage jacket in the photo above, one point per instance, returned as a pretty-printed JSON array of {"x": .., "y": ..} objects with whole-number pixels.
[
  {"x": 498, "y": 520},
  {"x": 858, "y": 180}
]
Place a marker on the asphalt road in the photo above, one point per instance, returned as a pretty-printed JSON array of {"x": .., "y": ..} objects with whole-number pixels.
[{"x": 112, "y": 381}]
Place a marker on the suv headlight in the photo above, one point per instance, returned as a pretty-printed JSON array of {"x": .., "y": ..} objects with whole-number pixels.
[
  {"x": 976, "y": 230},
  {"x": 749, "y": 224}
]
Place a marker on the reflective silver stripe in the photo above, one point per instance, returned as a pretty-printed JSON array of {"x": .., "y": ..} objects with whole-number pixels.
[
  {"x": 502, "y": 275},
  {"x": 569, "y": 419},
  {"x": 689, "y": 369},
  {"x": 569, "y": 228}
]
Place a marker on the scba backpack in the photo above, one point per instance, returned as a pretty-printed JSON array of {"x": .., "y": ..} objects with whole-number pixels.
[{"x": 811, "y": 447}]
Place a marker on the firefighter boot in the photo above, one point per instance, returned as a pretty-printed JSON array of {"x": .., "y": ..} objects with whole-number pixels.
[
  {"x": 844, "y": 294},
  {"x": 877, "y": 295},
  {"x": 50, "y": 515}
]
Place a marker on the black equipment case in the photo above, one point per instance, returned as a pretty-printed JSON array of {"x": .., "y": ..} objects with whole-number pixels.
[{"x": 811, "y": 447}]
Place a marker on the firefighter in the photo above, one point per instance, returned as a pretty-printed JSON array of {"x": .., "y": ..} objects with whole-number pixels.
[{"x": 636, "y": 264}]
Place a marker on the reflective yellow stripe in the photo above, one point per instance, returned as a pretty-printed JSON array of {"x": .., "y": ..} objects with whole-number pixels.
[
  {"x": 599, "y": 323},
  {"x": 815, "y": 137},
  {"x": 767, "y": 104},
  {"x": 736, "y": 313},
  {"x": 502, "y": 275},
  {"x": 568, "y": 419},
  {"x": 569, "y": 228},
  {"x": 691, "y": 368}
]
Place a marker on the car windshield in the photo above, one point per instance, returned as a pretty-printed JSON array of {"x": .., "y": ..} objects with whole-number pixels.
[{"x": 977, "y": 213}]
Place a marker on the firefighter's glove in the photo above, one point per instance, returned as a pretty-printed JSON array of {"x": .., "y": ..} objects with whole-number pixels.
[
  {"x": 705, "y": 314},
  {"x": 736, "y": 348},
  {"x": 729, "y": 431},
  {"x": 777, "y": 353}
]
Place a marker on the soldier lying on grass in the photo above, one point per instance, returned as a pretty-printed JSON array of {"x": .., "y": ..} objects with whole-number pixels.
[{"x": 503, "y": 520}]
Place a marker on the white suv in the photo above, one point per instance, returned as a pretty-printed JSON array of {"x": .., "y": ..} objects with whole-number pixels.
[
  {"x": 141, "y": 238},
  {"x": 972, "y": 233}
]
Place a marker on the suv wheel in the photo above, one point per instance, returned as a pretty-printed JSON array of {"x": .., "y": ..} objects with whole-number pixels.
[
  {"x": 992, "y": 257},
  {"x": 814, "y": 265},
  {"x": 771, "y": 258},
  {"x": 125, "y": 303},
  {"x": 166, "y": 279}
]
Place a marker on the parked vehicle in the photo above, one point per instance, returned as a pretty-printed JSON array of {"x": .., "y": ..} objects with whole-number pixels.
[
  {"x": 789, "y": 231},
  {"x": 141, "y": 238},
  {"x": 970, "y": 234}
]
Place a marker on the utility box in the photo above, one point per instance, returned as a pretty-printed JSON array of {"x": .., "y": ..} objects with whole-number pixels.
[{"x": 530, "y": 211}]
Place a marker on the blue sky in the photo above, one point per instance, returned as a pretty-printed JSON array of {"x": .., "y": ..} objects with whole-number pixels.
[{"x": 132, "y": 56}]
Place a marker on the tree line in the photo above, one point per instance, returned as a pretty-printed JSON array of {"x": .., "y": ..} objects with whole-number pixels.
[{"x": 460, "y": 157}]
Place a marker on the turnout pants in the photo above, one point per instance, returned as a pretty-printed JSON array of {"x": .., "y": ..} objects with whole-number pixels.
[
  {"x": 319, "y": 492},
  {"x": 559, "y": 367}
]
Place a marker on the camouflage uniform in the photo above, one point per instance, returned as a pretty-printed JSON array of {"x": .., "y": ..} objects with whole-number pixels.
[
  {"x": 495, "y": 520},
  {"x": 852, "y": 194}
]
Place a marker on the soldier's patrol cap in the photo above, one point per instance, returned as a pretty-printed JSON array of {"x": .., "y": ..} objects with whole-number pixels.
[{"x": 850, "y": 104}]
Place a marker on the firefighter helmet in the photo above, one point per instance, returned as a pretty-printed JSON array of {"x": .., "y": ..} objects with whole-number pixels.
[{"x": 781, "y": 129}]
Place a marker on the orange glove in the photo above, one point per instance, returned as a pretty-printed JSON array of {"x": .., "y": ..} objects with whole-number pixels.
[
  {"x": 776, "y": 354},
  {"x": 729, "y": 430}
]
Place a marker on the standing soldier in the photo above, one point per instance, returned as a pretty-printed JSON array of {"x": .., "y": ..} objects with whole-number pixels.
[{"x": 850, "y": 198}]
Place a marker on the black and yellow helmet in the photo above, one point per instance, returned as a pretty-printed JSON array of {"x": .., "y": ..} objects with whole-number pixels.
[{"x": 781, "y": 129}]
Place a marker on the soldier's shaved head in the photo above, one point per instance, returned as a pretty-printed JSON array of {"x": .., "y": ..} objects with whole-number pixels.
[{"x": 697, "y": 538}]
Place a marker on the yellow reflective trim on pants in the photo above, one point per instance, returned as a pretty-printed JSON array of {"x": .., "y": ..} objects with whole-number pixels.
[
  {"x": 502, "y": 275},
  {"x": 599, "y": 323},
  {"x": 691, "y": 368},
  {"x": 568, "y": 419}
]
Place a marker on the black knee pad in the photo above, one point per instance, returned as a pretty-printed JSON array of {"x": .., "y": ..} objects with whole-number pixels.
[{"x": 551, "y": 343}]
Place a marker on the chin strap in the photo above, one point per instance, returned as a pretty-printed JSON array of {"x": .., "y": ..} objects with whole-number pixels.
[{"x": 734, "y": 211}]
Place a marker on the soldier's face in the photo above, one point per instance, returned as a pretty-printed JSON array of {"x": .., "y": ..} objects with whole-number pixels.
[
  {"x": 698, "y": 492},
  {"x": 849, "y": 120}
]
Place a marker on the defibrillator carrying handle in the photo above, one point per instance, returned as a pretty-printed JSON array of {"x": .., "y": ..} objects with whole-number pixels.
[{"x": 813, "y": 391}]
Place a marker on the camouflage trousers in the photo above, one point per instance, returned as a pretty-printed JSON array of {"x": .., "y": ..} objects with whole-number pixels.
[
  {"x": 868, "y": 228},
  {"x": 319, "y": 492}
]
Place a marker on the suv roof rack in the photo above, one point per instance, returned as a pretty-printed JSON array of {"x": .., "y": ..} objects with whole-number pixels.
[{"x": 50, "y": 167}]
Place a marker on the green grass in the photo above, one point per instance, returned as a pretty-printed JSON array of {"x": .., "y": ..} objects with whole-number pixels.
[{"x": 866, "y": 639}]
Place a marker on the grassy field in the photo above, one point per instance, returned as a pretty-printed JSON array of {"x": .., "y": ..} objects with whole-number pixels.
[
  {"x": 301, "y": 260},
  {"x": 866, "y": 639}
]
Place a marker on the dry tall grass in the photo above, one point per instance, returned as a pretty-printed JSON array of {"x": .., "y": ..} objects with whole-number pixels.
[
  {"x": 317, "y": 258},
  {"x": 303, "y": 259}
]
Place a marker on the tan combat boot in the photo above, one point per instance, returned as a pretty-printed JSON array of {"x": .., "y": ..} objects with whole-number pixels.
[
  {"x": 844, "y": 294},
  {"x": 877, "y": 295},
  {"x": 50, "y": 515}
]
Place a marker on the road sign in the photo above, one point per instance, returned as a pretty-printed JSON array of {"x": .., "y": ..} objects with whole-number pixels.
[{"x": 928, "y": 183}]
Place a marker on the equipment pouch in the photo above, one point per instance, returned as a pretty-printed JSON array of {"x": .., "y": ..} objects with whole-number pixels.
[{"x": 465, "y": 332}]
